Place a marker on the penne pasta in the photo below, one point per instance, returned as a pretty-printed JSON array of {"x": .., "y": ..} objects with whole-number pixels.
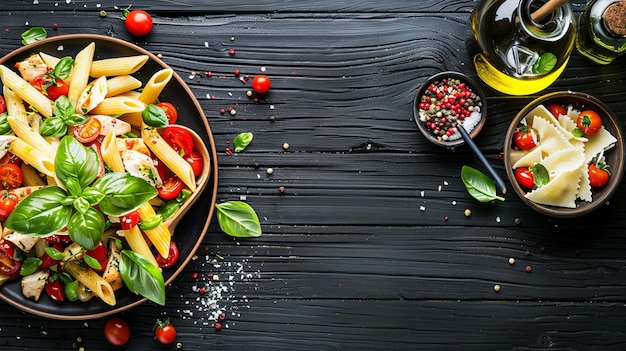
[
  {"x": 25, "y": 91},
  {"x": 118, "y": 105},
  {"x": 122, "y": 84},
  {"x": 150, "y": 94},
  {"x": 160, "y": 236},
  {"x": 49, "y": 60},
  {"x": 31, "y": 176},
  {"x": 92, "y": 280},
  {"x": 138, "y": 244},
  {"x": 33, "y": 157},
  {"x": 25, "y": 133},
  {"x": 110, "y": 154},
  {"x": 163, "y": 151},
  {"x": 15, "y": 104},
  {"x": 117, "y": 66},
  {"x": 80, "y": 72}
]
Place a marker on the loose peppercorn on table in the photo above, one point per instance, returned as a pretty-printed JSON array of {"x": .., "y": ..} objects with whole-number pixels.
[{"x": 370, "y": 239}]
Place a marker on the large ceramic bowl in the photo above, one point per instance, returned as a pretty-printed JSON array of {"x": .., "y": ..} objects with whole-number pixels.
[
  {"x": 426, "y": 111},
  {"x": 188, "y": 234},
  {"x": 614, "y": 156}
]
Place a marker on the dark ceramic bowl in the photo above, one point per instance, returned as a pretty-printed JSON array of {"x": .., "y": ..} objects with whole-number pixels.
[
  {"x": 614, "y": 156},
  {"x": 420, "y": 114}
]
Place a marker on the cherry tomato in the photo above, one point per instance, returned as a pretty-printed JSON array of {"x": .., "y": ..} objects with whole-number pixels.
[
  {"x": 170, "y": 111},
  {"x": 138, "y": 22},
  {"x": 598, "y": 174},
  {"x": 165, "y": 332},
  {"x": 195, "y": 160},
  {"x": 161, "y": 168},
  {"x": 171, "y": 188},
  {"x": 10, "y": 158},
  {"x": 557, "y": 110},
  {"x": 8, "y": 264},
  {"x": 100, "y": 253},
  {"x": 179, "y": 139},
  {"x": 525, "y": 138},
  {"x": 55, "y": 238},
  {"x": 524, "y": 177},
  {"x": 261, "y": 84},
  {"x": 7, "y": 204},
  {"x": 171, "y": 259},
  {"x": 129, "y": 220},
  {"x": 589, "y": 122},
  {"x": 88, "y": 131},
  {"x": 116, "y": 331},
  {"x": 3, "y": 104},
  {"x": 50, "y": 86},
  {"x": 11, "y": 176},
  {"x": 46, "y": 260},
  {"x": 55, "y": 289}
]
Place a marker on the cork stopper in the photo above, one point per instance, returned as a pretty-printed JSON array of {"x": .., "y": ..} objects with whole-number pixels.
[{"x": 615, "y": 18}]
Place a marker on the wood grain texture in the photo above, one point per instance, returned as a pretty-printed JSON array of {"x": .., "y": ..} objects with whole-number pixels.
[{"x": 368, "y": 247}]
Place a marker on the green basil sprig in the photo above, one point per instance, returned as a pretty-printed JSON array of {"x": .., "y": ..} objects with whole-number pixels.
[
  {"x": 242, "y": 141},
  {"x": 238, "y": 219},
  {"x": 478, "y": 185},
  {"x": 545, "y": 63},
  {"x": 33, "y": 34},
  {"x": 49, "y": 209},
  {"x": 64, "y": 115},
  {"x": 154, "y": 116},
  {"x": 142, "y": 277}
]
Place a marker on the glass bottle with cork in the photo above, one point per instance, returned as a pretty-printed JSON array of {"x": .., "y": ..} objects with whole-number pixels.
[
  {"x": 524, "y": 44},
  {"x": 602, "y": 31}
]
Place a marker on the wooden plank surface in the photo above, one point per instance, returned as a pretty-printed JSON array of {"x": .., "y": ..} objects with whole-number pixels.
[{"x": 368, "y": 247}]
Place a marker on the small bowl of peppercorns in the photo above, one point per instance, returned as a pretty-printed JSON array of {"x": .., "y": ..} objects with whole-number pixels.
[{"x": 445, "y": 101}]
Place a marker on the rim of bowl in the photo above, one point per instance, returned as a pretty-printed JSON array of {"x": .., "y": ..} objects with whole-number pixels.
[
  {"x": 617, "y": 153},
  {"x": 475, "y": 88}
]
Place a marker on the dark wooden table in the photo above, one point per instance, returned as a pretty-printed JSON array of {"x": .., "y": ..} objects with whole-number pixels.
[{"x": 357, "y": 253}]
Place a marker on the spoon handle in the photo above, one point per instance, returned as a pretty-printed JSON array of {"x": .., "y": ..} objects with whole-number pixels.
[{"x": 482, "y": 158}]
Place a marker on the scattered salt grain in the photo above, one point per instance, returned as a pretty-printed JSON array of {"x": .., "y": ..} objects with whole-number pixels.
[
  {"x": 422, "y": 193},
  {"x": 422, "y": 208}
]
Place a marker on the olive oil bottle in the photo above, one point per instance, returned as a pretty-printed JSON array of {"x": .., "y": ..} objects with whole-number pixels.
[
  {"x": 602, "y": 31},
  {"x": 521, "y": 53}
]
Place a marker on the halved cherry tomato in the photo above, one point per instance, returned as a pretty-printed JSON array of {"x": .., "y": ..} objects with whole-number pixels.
[
  {"x": 7, "y": 204},
  {"x": 10, "y": 158},
  {"x": 88, "y": 131},
  {"x": 261, "y": 84},
  {"x": 46, "y": 260},
  {"x": 11, "y": 176},
  {"x": 524, "y": 177},
  {"x": 116, "y": 331},
  {"x": 129, "y": 220},
  {"x": 170, "y": 111},
  {"x": 179, "y": 139},
  {"x": 8, "y": 264},
  {"x": 195, "y": 160},
  {"x": 55, "y": 289},
  {"x": 100, "y": 253},
  {"x": 171, "y": 259},
  {"x": 598, "y": 174},
  {"x": 525, "y": 137},
  {"x": 557, "y": 110},
  {"x": 50, "y": 86},
  {"x": 171, "y": 188},
  {"x": 589, "y": 122},
  {"x": 163, "y": 171},
  {"x": 3, "y": 104}
]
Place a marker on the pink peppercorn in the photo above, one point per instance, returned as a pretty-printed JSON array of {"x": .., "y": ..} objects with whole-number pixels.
[
  {"x": 202, "y": 291},
  {"x": 218, "y": 325},
  {"x": 231, "y": 51},
  {"x": 194, "y": 275}
]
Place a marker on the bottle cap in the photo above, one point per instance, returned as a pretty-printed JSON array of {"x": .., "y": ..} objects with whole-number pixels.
[{"x": 615, "y": 18}]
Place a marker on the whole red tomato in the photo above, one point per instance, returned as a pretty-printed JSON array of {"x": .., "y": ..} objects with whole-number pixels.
[
  {"x": 138, "y": 22},
  {"x": 589, "y": 122},
  {"x": 116, "y": 331},
  {"x": 525, "y": 137},
  {"x": 164, "y": 332},
  {"x": 261, "y": 84},
  {"x": 599, "y": 174},
  {"x": 524, "y": 177}
]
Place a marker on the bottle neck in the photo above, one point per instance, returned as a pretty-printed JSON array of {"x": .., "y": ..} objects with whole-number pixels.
[
  {"x": 551, "y": 28},
  {"x": 614, "y": 19}
]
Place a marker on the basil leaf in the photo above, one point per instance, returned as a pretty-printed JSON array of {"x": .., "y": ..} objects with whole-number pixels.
[
  {"x": 154, "y": 116},
  {"x": 63, "y": 107},
  {"x": 73, "y": 188},
  {"x": 52, "y": 127},
  {"x": 33, "y": 34},
  {"x": 540, "y": 175},
  {"x": 71, "y": 290},
  {"x": 5, "y": 127},
  {"x": 545, "y": 63},
  {"x": 123, "y": 193},
  {"x": 54, "y": 253},
  {"x": 478, "y": 185},
  {"x": 73, "y": 160},
  {"x": 242, "y": 141},
  {"x": 92, "y": 262},
  {"x": 86, "y": 229},
  {"x": 40, "y": 213},
  {"x": 29, "y": 266},
  {"x": 142, "y": 277},
  {"x": 93, "y": 195},
  {"x": 237, "y": 218},
  {"x": 81, "y": 205},
  {"x": 63, "y": 68}
]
